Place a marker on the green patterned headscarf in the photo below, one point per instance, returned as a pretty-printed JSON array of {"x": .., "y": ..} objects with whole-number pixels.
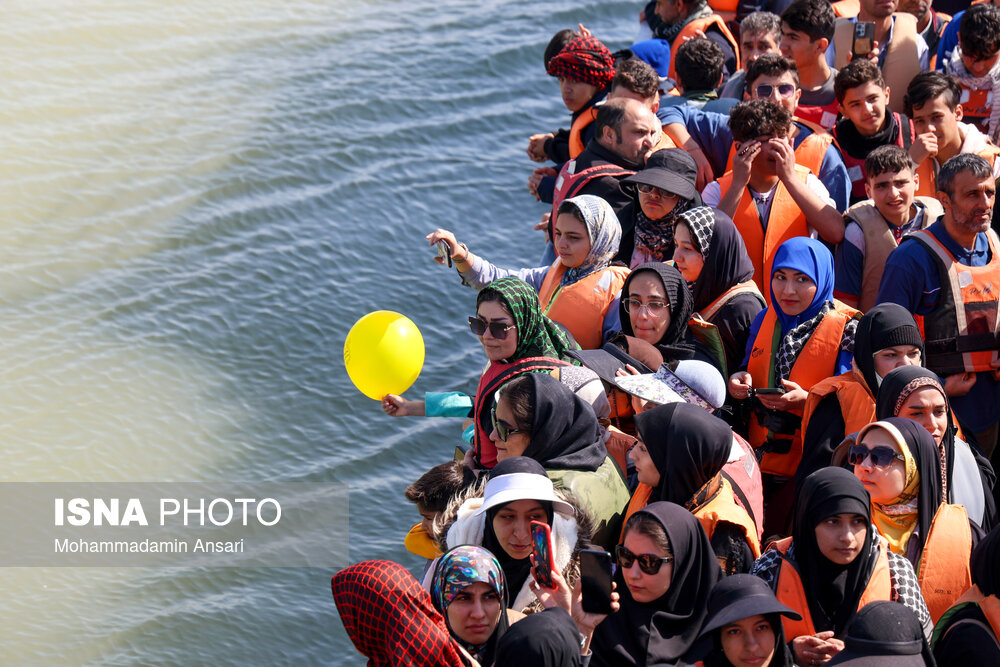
[{"x": 537, "y": 335}]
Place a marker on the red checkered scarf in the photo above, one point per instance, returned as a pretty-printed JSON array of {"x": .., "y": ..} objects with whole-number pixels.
[
  {"x": 584, "y": 59},
  {"x": 390, "y": 618}
]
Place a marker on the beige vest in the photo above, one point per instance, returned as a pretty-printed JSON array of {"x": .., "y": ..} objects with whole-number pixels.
[
  {"x": 879, "y": 242},
  {"x": 901, "y": 62}
]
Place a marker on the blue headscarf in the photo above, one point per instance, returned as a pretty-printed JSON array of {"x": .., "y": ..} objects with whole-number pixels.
[{"x": 810, "y": 257}]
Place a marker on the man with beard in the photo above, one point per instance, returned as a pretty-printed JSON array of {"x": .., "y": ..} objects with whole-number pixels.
[{"x": 949, "y": 274}]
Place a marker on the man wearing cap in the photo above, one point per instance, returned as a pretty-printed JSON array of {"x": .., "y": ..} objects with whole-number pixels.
[{"x": 664, "y": 190}]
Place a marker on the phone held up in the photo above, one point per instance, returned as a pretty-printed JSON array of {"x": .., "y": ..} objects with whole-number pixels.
[
  {"x": 595, "y": 581},
  {"x": 541, "y": 547},
  {"x": 864, "y": 38}
]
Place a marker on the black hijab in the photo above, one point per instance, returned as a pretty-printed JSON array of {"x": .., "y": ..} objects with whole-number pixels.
[
  {"x": 726, "y": 261},
  {"x": 546, "y": 639},
  {"x": 885, "y": 325},
  {"x": 833, "y": 590},
  {"x": 565, "y": 434},
  {"x": 927, "y": 458},
  {"x": 688, "y": 447},
  {"x": 515, "y": 571},
  {"x": 664, "y": 631},
  {"x": 672, "y": 345}
]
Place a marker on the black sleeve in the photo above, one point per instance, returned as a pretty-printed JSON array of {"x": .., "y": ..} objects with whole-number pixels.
[
  {"x": 730, "y": 546},
  {"x": 611, "y": 190},
  {"x": 557, "y": 147},
  {"x": 733, "y": 321},
  {"x": 824, "y": 432},
  {"x": 729, "y": 55}
]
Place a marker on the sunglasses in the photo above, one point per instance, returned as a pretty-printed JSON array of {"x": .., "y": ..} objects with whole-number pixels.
[
  {"x": 881, "y": 456},
  {"x": 503, "y": 429},
  {"x": 784, "y": 90},
  {"x": 648, "y": 563},
  {"x": 497, "y": 329},
  {"x": 647, "y": 189}
]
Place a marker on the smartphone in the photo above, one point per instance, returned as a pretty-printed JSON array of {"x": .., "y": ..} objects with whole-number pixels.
[
  {"x": 444, "y": 251},
  {"x": 864, "y": 38},
  {"x": 541, "y": 547},
  {"x": 595, "y": 581},
  {"x": 770, "y": 391}
]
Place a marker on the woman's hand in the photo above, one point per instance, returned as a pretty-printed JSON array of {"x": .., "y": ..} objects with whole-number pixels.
[
  {"x": 459, "y": 253},
  {"x": 793, "y": 400},
  {"x": 628, "y": 370},
  {"x": 816, "y": 649},
  {"x": 740, "y": 384},
  {"x": 397, "y": 406}
]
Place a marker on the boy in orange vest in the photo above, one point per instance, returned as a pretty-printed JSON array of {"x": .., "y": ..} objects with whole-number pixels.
[
  {"x": 876, "y": 225},
  {"x": 769, "y": 197},
  {"x": 933, "y": 104},
  {"x": 867, "y": 123},
  {"x": 975, "y": 62}
]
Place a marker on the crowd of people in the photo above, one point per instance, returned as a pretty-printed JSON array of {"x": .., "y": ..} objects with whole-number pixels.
[{"x": 758, "y": 362}]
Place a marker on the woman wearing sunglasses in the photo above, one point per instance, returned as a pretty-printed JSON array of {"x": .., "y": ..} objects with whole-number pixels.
[
  {"x": 666, "y": 570},
  {"x": 470, "y": 592},
  {"x": 900, "y": 467},
  {"x": 497, "y": 516},
  {"x": 713, "y": 259},
  {"x": 580, "y": 286},
  {"x": 833, "y": 564},
  {"x": 887, "y": 337},
  {"x": 679, "y": 458},
  {"x": 968, "y": 478},
  {"x": 665, "y": 188},
  {"x": 805, "y": 336},
  {"x": 539, "y": 417}
]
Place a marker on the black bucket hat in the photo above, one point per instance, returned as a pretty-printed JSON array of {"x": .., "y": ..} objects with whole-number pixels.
[
  {"x": 741, "y": 596},
  {"x": 673, "y": 170}
]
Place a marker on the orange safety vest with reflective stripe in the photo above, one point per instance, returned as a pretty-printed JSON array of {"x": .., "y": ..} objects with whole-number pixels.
[
  {"x": 962, "y": 333},
  {"x": 944, "y": 571},
  {"x": 690, "y": 31},
  {"x": 581, "y": 307},
  {"x": 791, "y": 593},
  {"x": 786, "y": 221},
  {"x": 816, "y": 362},
  {"x": 927, "y": 171}
]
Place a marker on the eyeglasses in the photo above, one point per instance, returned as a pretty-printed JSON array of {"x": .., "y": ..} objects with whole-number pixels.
[
  {"x": 648, "y": 189},
  {"x": 497, "y": 329},
  {"x": 654, "y": 307},
  {"x": 648, "y": 563},
  {"x": 784, "y": 90},
  {"x": 503, "y": 429},
  {"x": 881, "y": 456}
]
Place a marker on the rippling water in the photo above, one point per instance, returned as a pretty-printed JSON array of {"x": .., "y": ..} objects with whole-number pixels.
[{"x": 197, "y": 200}]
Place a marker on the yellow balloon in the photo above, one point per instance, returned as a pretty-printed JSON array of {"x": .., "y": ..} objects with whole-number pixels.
[{"x": 383, "y": 353}]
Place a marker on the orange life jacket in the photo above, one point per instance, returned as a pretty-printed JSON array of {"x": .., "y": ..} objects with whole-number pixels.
[
  {"x": 690, "y": 31},
  {"x": 928, "y": 169},
  {"x": 816, "y": 362},
  {"x": 726, "y": 9},
  {"x": 791, "y": 593},
  {"x": 976, "y": 106},
  {"x": 989, "y": 605},
  {"x": 640, "y": 498},
  {"x": 879, "y": 243},
  {"x": 962, "y": 333},
  {"x": 618, "y": 444},
  {"x": 576, "y": 144},
  {"x": 723, "y": 507},
  {"x": 944, "y": 571},
  {"x": 856, "y": 402},
  {"x": 581, "y": 307},
  {"x": 786, "y": 221},
  {"x": 419, "y": 543}
]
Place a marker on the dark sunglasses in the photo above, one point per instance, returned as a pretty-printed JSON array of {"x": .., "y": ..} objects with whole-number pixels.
[
  {"x": 784, "y": 90},
  {"x": 647, "y": 189},
  {"x": 881, "y": 456},
  {"x": 648, "y": 563},
  {"x": 502, "y": 428},
  {"x": 497, "y": 329}
]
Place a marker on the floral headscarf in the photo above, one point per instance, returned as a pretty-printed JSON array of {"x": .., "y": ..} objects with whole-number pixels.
[{"x": 604, "y": 230}]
